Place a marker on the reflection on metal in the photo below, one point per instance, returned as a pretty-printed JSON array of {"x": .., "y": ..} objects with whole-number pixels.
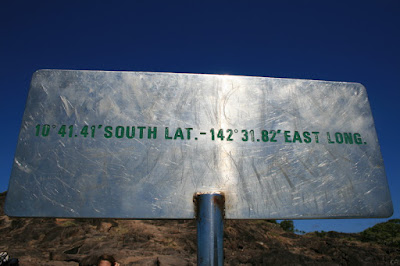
[
  {"x": 140, "y": 144},
  {"x": 210, "y": 228}
]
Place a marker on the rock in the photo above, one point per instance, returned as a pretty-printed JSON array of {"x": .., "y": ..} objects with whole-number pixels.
[
  {"x": 53, "y": 242},
  {"x": 104, "y": 227}
]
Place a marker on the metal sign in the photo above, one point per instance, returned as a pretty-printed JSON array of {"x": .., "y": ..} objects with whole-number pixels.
[{"x": 140, "y": 145}]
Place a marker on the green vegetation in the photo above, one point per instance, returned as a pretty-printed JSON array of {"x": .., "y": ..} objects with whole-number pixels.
[
  {"x": 69, "y": 223},
  {"x": 287, "y": 225},
  {"x": 387, "y": 233},
  {"x": 321, "y": 233},
  {"x": 301, "y": 232}
]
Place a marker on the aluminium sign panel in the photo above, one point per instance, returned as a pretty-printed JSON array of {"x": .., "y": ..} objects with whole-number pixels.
[{"x": 141, "y": 144}]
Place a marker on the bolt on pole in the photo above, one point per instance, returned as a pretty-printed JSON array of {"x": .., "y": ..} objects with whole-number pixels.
[{"x": 210, "y": 229}]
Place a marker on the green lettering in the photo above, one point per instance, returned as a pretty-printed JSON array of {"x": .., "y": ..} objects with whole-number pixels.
[
  {"x": 348, "y": 138},
  {"x": 71, "y": 131},
  {"x": 128, "y": 135},
  {"x": 37, "y": 130},
  {"x": 329, "y": 138},
  {"x": 119, "y": 132},
  {"x": 297, "y": 137},
  {"x": 84, "y": 131},
  {"x": 221, "y": 134},
  {"x": 307, "y": 138},
  {"x": 287, "y": 136},
  {"x": 264, "y": 135},
  {"x": 357, "y": 138},
  {"x": 46, "y": 130},
  {"x": 339, "y": 137},
  {"x": 167, "y": 133},
  {"x": 178, "y": 133},
  {"x": 141, "y": 132},
  {"x": 273, "y": 132},
  {"x": 152, "y": 133},
  {"x": 229, "y": 138},
  {"x": 62, "y": 130},
  {"x": 315, "y": 133},
  {"x": 245, "y": 135},
  {"x": 108, "y": 130},
  {"x": 188, "y": 132},
  {"x": 93, "y": 129}
]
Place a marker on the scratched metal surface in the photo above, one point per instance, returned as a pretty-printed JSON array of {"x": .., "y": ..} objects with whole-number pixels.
[{"x": 156, "y": 178}]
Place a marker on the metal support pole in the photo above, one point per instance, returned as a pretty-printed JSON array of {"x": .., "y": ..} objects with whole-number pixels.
[{"x": 210, "y": 228}]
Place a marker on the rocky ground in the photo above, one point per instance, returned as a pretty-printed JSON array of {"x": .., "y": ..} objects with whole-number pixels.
[{"x": 49, "y": 241}]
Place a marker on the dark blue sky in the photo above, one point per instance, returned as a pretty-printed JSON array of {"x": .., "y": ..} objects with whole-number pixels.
[{"x": 335, "y": 40}]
